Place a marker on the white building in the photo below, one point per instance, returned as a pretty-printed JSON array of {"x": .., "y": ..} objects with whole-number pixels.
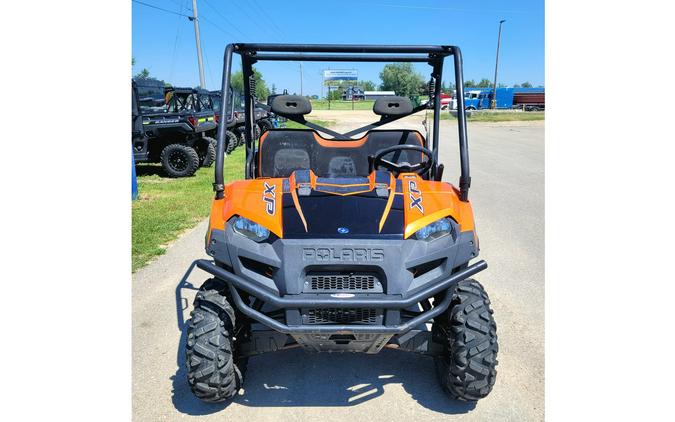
[{"x": 374, "y": 95}]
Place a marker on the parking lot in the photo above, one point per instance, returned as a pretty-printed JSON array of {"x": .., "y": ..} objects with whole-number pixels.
[{"x": 507, "y": 163}]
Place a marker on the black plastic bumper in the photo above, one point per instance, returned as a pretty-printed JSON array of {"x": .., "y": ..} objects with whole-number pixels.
[{"x": 382, "y": 301}]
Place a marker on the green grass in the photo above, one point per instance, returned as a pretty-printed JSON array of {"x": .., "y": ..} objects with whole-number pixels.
[
  {"x": 167, "y": 207},
  {"x": 506, "y": 116},
  {"x": 342, "y": 105},
  {"x": 325, "y": 123}
]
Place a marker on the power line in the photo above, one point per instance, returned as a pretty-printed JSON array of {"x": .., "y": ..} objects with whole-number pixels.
[
  {"x": 160, "y": 8},
  {"x": 227, "y": 21},
  {"x": 208, "y": 68},
  {"x": 270, "y": 20},
  {"x": 217, "y": 27},
  {"x": 179, "y": 4},
  {"x": 175, "y": 43},
  {"x": 258, "y": 24}
]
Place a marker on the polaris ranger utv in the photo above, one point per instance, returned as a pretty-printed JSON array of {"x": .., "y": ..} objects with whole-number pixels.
[
  {"x": 234, "y": 136},
  {"x": 345, "y": 242},
  {"x": 262, "y": 118},
  {"x": 210, "y": 100},
  {"x": 169, "y": 128}
]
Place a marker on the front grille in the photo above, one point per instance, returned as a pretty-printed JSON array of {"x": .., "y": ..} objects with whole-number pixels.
[
  {"x": 340, "y": 316},
  {"x": 329, "y": 282}
]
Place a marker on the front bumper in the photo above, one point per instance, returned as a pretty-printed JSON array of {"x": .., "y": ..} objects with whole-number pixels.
[
  {"x": 378, "y": 301},
  {"x": 278, "y": 285}
]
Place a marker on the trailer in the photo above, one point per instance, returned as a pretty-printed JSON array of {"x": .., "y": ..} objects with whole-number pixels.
[{"x": 527, "y": 99}]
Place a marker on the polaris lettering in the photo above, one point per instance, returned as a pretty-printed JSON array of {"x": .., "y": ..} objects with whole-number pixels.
[{"x": 342, "y": 254}]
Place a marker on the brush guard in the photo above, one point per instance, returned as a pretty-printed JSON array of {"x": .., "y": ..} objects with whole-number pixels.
[{"x": 322, "y": 301}]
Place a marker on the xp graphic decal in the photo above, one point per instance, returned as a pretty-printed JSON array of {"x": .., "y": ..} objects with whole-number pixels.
[
  {"x": 415, "y": 196},
  {"x": 269, "y": 196}
]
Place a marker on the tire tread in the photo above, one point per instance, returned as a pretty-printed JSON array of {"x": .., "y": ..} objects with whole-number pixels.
[{"x": 467, "y": 371}]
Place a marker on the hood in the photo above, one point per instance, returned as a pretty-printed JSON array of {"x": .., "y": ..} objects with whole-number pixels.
[{"x": 378, "y": 206}]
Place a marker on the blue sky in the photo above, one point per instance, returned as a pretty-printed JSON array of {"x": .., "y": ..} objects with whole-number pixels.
[{"x": 164, "y": 42}]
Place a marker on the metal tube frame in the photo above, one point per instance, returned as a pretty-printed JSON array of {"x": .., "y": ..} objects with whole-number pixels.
[
  {"x": 433, "y": 55},
  {"x": 396, "y": 302}
]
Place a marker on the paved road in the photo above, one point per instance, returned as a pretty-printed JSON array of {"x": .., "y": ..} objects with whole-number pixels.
[{"x": 508, "y": 199}]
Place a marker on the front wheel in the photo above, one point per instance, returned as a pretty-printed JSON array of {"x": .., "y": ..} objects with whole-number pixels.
[
  {"x": 215, "y": 374},
  {"x": 230, "y": 141},
  {"x": 467, "y": 368},
  {"x": 264, "y": 125},
  {"x": 179, "y": 160},
  {"x": 207, "y": 153}
]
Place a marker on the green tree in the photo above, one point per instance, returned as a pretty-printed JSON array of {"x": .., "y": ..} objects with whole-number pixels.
[
  {"x": 367, "y": 85},
  {"x": 470, "y": 84},
  {"x": 484, "y": 83},
  {"x": 516, "y": 86},
  {"x": 335, "y": 94},
  {"x": 274, "y": 89},
  {"x": 447, "y": 87},
  {"x": 261, "y": 90},
  {"x": 402, "y": 79},
  {"x": 501, "y": 85},
  {"x": 143, "y": 74},
  {"x": 526, "y": 85}
]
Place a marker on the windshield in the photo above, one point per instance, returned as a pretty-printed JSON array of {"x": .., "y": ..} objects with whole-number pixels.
[
  {"x": 215, "y": 102},
  {"x": 412, "y": 82},
  {"x": 151, "y": 96}
]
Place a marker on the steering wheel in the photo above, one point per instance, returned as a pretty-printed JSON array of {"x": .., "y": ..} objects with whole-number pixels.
[{"x": 397, "y": 168}]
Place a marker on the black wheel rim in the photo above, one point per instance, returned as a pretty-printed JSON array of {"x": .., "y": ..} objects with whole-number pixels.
[{"x": 178, "y": 160}]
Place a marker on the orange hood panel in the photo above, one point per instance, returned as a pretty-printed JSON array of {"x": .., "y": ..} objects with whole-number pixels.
[{"x": 260, "y": 200}]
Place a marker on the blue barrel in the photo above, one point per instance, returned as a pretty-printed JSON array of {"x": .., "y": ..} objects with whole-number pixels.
[{"x": 134, "y": 183}]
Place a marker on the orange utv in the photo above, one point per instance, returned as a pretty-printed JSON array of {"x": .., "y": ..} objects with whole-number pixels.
[{"x": 342, "y": 242}]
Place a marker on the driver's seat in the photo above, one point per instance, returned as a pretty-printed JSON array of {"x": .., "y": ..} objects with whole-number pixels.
[{"x": 282, "y": 151}]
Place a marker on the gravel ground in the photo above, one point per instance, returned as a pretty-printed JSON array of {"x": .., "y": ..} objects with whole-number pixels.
[{"x": 507, "y": 162}]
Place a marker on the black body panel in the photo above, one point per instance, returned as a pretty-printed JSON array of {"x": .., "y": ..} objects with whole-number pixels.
[{"x": 342, "y": 217}]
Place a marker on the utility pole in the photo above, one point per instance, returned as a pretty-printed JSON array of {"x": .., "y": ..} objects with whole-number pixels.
[
  {"x": 300, "y": 76},
  {"x": 493, "y": 104},
  {"x": 200, "y": 63}
]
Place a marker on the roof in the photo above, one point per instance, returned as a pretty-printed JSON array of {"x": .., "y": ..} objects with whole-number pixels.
[
  {"x": 179, "y": 90},
  {"x": 379, "y": 92}
]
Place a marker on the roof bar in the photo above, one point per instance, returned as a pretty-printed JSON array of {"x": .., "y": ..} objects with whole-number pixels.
[
  {"x": 344, "y": 48},
  {"x": 339, "y": 58}
]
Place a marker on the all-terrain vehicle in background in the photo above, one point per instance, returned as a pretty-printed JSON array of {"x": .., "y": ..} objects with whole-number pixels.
[
  {"x": 169, "y": 127},
  {"x": 344, "y": 242},
  {"x": 264, "y": 120},
  {"x": 211, "y": 100}
]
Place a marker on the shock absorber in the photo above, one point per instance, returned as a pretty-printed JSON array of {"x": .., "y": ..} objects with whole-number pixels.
[
  {"x": 251, "y": 85},
  {"x": 431, "y": 86}
]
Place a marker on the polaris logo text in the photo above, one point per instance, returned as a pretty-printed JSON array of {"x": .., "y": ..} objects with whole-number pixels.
[
  {"x": 342, "y": 254},
  {"x": 415, "y": 196},
  {"x": 269, "y": 196}
]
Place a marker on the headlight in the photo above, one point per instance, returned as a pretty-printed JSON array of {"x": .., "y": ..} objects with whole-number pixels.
[
  {"x": 438, "y": 228},
  {"x": 250, "y": 229}
]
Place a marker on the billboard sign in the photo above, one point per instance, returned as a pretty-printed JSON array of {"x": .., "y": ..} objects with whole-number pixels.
[{"x": 340, "y": 75}]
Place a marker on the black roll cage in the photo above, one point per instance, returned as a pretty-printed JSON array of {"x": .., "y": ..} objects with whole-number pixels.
[{"x": 430, "y": 54}]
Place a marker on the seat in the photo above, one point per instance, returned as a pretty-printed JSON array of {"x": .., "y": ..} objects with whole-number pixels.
[{"x": 282, "y": 151}]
